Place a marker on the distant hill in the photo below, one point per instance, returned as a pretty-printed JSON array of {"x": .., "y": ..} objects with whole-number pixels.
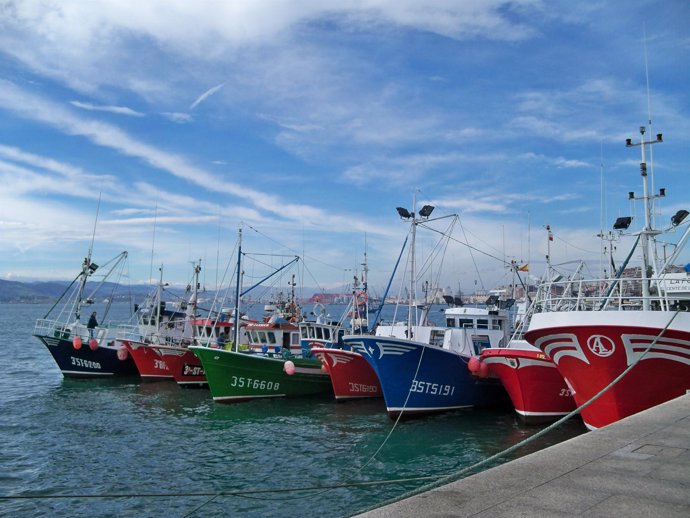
[{"x": 48, "y": 291}]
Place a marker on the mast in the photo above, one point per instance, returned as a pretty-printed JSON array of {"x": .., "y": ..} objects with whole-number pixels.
[
  {"x": 647, "y": 234},
  {"x": 195, "y": 296},
  {"x": 159, "y": 297},
  {"x": 236, "y": 330},
  {"x": 87, "y": 268},
  {"x": 413, "y": 278},
  {"x": 415, "y": 219}
]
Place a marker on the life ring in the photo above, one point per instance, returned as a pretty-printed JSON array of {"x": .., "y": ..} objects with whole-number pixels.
[{"x": 362, "y": 297}]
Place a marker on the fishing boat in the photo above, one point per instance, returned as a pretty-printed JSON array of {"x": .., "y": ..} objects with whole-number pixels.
[
  {"x": 422, "y": 367},
  {"x": 351, "y": 375},
  {"x": 159, "y": 323},
  {"x": 537, "y": 390},
  {"x": 622, "y": 343},
  {"x": 272, "y": 365},
  {"x": 80, "y": 350}
]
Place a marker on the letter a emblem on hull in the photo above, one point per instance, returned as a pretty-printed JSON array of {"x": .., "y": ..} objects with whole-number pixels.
[{"x": 600, "y": 345}]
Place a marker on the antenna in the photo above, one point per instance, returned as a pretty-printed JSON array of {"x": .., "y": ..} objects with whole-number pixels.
[
  {"x": 649, "y": 114},
  {"x": 153, "y": 241},
  {"x": 93, "y": 234}
]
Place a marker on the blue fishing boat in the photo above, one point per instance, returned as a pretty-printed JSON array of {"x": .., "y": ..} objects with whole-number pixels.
[
  {"x": 86, "y": 350},
  {"x": 423, "y": 367}
]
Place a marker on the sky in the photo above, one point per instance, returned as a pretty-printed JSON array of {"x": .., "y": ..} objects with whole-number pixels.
[{"x": 306, "y": 123}]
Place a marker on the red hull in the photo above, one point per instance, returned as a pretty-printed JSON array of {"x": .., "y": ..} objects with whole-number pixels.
[
  {"x": 183, "y": 365},
  {"x": 591, "y": 349},
  {"x": 351, "y": 375},
  {"x": 535, "y": 386},
  {"x": 149, "y": 362}
]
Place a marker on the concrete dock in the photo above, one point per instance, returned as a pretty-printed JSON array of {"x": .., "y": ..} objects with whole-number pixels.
[{"x": 637, "y": 467}]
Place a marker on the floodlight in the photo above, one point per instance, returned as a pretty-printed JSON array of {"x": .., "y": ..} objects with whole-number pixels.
[
  {"x": 426, "y": 211},
  {"x": 404, "y": 213},
  {"x": 679, "y": 217},
  {"x": 622, "y": 223}
]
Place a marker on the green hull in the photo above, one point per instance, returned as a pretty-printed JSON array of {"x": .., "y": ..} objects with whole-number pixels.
[{"x": 238, "y": 376}]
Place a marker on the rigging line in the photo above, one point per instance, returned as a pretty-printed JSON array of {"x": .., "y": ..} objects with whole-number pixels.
[
  {"x": 573, "y": 246},
  {"x": 468, "y": 245},
  {"x": 440, "y": 247},
  {"x": 292, "y": 250},
  {"x": 459, "y": 474},
  {"x": 474, "y": 262}
]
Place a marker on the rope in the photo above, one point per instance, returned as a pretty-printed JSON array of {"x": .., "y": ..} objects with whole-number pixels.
[
  {"x": 438, "y": 480},
  {"x": 459, "y": 474}
]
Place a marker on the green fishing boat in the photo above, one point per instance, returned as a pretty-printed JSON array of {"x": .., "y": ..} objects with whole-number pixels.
[
  {"x": 272, "y": 364},
  {"x": 235, "y": 376}
]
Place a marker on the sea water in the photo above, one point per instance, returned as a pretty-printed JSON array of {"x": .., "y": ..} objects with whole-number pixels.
[{"x": 129, "y": 448}]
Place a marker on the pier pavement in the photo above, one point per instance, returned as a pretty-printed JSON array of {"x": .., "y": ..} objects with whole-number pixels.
[{"x": 637, "y": 467}]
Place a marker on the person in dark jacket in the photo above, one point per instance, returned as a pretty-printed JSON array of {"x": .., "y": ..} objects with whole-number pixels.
[{"x": 93, "y": 323}]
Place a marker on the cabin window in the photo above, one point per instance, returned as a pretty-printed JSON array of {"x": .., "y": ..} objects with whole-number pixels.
[
  {"x": 319, "y": 333},
  {"x": 304, "y": 330},
  {"x": 482, "y": 323},
  {"x": 327, "y": 333},
  {"x": 450, "y": 322},
  {"x": 465, "y": 322},
  {"x": 294, "y": 339},
  {"x": 311, "y": 332},
  {"x": 436, "y": 337},
  {"x": 271, "y": 338}
]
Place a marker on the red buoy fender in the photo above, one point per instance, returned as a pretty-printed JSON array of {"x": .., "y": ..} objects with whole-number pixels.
[{"x": 76, "y": 342}]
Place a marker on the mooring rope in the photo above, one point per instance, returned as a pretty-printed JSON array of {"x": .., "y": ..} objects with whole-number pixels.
[
  {"x": 453, "y": 477},
  {"x": 436, "y": 480}
]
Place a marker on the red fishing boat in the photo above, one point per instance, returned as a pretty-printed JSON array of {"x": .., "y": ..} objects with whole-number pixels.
[
  {"x": 623, "y": 342},
  {"x": 159, "y": 323},
  {"x": 351, "y": 375},
  {"x": 536, "y": 388}
]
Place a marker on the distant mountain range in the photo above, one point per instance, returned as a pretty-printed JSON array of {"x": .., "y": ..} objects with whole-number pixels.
[{"x": 49, "y": 291}]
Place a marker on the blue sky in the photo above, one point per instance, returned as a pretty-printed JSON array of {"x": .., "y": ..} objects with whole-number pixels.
[{"x": 310, "y": 121}]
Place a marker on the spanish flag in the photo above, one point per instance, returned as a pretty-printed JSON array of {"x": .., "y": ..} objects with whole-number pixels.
[{"x": 523, "y": 267}]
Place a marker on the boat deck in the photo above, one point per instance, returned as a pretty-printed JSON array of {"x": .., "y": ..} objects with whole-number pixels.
[{"x": 639, "y": 466}]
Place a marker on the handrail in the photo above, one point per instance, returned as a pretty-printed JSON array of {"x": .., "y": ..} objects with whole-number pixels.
[{"x": 584, "y": 294}]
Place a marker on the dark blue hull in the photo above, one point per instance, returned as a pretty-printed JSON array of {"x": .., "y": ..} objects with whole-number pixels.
[
  {"x": 85, "y": 363},
  {"x": 439, "y": 382}
]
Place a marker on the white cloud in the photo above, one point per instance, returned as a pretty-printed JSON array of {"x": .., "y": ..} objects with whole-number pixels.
[
  {"x": 120, "y": 110},
  {"x": 208, "y": 93},
  {"x": 180, "y": 118}
]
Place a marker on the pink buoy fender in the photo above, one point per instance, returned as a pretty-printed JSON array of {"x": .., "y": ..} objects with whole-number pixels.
[
  {"x": 483, "y": 370},
  {"x": 474, "y": 364},
  {"x": 289, "y": 368},
  {"x": 122, "y": 353},
  {"x": 93, "y": 344},
  {"x": 76, "y": 342}
]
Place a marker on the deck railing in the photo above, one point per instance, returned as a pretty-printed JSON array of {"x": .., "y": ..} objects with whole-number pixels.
[{"x": 625, "y": 294}]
